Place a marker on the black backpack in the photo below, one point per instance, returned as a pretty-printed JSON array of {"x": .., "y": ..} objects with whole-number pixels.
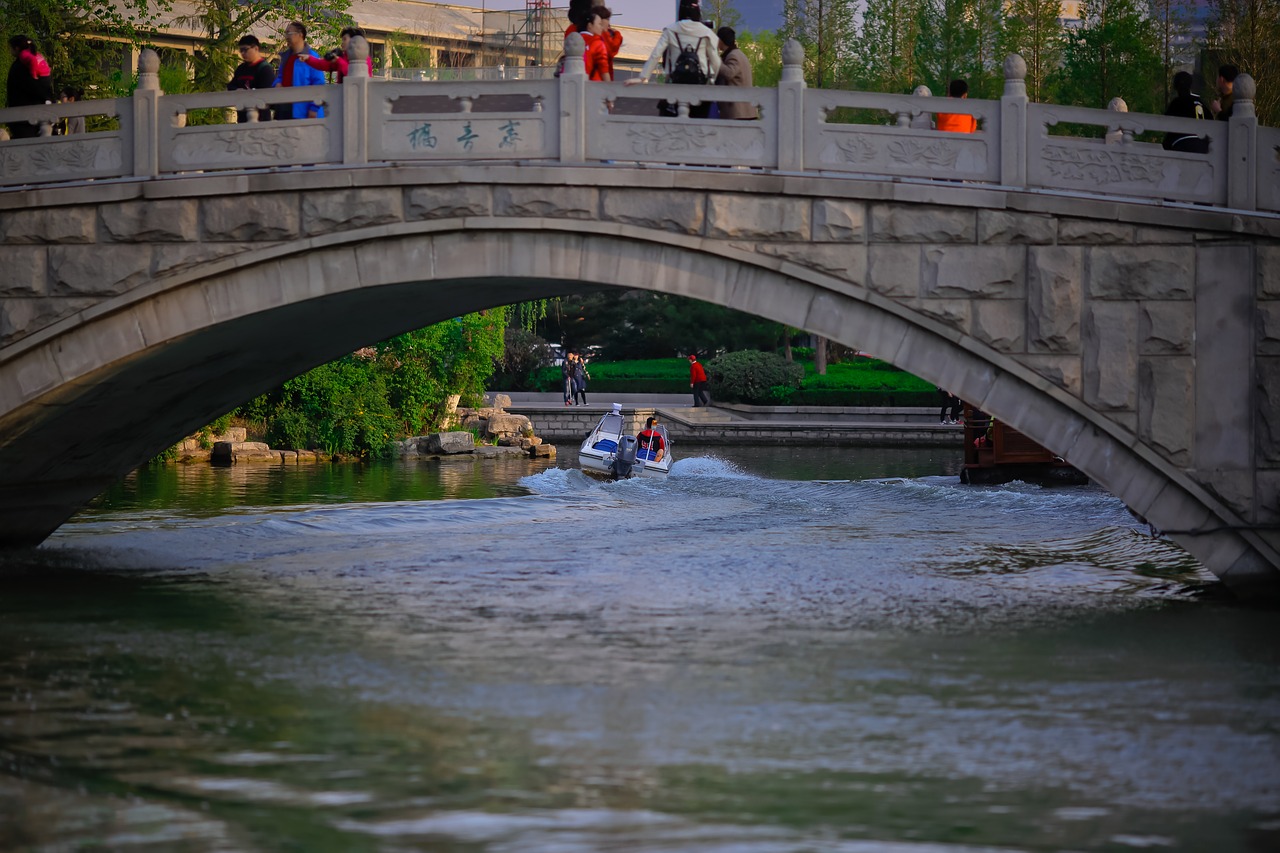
[{"x": 687, "y": 69}]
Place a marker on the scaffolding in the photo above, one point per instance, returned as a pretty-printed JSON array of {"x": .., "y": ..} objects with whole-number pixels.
[{"x": 532, "y": 36}]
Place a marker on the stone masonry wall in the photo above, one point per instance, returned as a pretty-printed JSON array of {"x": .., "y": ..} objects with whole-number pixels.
[{"x": 1104, "y": 309}]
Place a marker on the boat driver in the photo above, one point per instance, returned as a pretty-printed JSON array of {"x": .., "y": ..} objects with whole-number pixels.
[{"x": 651, "y": 444}]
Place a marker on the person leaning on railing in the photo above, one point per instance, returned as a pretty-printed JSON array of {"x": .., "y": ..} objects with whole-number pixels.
[{"x": 687, "y": 32}]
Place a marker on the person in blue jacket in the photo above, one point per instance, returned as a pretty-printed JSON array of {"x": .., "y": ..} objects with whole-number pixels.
[{"x": 296, "y": 72}]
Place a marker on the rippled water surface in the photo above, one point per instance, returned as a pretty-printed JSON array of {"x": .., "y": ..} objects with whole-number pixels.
[{"x": 772, "y": 650}]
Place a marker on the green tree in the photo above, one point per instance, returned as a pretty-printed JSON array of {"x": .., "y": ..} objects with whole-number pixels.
[
  {"x": 641, "y": 324},
  {"x": 960, "y": 39},
  {"x": 1246, "y": 33},
  {"x": 1172, "y": 21},
  {"x": 1032, "y": 30},
  {"x": 223, "y": 22},
  {"x": 764, "y": 50},
  {"x": 1114, "y": 53},
  {"x": 77, "y": 35},
  {"x": 722, "y": 13},
  {"x": 885, "y": 46},
  {"x": 824, "y": 28}
]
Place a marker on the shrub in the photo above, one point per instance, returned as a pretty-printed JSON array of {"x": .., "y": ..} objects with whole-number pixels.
[
  {"x": 752, "y": 377},
  {"x": 523, "y": 353}
]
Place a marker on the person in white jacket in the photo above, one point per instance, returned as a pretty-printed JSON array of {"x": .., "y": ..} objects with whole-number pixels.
[{"x": 689, "y": 31}]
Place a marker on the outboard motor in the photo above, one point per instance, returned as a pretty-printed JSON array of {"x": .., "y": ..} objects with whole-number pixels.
[{"x": 625, "y": 459}]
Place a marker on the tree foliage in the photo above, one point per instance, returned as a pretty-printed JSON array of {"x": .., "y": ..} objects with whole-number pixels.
[
  {"x": 641, "y": 324},
  {"x": 1031, "y": 30},
  {"x": 75, "y": 36},
  {"x": 223, "y": 22},
  {"x": 1246, "y": 33},
  {"x": 959, "y": 39},
  {"x": 764, "y": 51},
  {"x": 824, "y": 28},
  {"x": 364, "y": 402},
  {"x": 1114, "y": 53},
  {"x": 885, "y": 47}
]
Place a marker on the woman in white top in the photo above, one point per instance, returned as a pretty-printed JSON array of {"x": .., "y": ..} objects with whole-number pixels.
[{"x": 688, "y": 32}]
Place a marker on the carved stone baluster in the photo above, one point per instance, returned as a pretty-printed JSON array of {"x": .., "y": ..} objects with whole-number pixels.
[
  {"x": 1118, "y": 133},
  {"x": 790, "y": 153},
  {"x": 1242, "y": 147},
  {"x": 1013, "y": 123},
  {"x": 146, "y": 116},
  {"x": 922, "y": 119}
]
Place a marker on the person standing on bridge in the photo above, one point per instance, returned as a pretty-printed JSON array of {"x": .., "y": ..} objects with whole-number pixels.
[
  {"x": 596, "y": 56},
  {"x": 698, "y": 382},
  {"x": 294, "y": 71},
  {"x": 338, "y": 62},
  {"x": 30, "y": 84},
  {"x": 957, "y": 122},
  {"x": 1227, "y": 89},
  {"x": 690, "y": 54},
  {"x": 735, "y": 70},
  {"x": 1187, "y": 104},
  {"x": 253, "y": 72}
]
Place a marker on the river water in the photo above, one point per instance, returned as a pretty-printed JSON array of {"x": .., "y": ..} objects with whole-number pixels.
[{"x": 773, "y": 650}]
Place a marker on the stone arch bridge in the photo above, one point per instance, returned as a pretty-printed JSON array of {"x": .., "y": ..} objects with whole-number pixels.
[{"x": 1138, "y": 337}]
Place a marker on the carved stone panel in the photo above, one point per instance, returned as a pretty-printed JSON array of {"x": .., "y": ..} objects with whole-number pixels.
[
  {"x": 854, "y": 148},
  {"x": 1133, "y": 168},
  {"x": 57, "y": 159},
  {"x": 240, "y": 146},
  {"x": 730, "y": 142}
]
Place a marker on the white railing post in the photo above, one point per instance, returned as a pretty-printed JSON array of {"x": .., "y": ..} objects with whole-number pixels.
[
  {"x": 791, "y": 108},
  {"x": 355, "y": 104},
  {"x": 573, "y": 102},
  {"x": 1242, "y": 147},
  {"x": 921, "y": 120},
  {"x": 1117, "y": 133},
  {"x": 1013, "y": 123},
  {"x": 146, "y": 116}
]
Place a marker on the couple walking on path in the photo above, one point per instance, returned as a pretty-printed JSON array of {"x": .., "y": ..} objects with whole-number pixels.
[{"x": 574, "y": 371}]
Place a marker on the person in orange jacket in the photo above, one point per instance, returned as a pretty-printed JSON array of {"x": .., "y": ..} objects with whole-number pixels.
[{"x": 957, "y": 122}]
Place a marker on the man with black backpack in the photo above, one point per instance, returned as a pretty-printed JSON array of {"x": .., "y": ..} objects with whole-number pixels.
[{"x": 690, "y": 55}]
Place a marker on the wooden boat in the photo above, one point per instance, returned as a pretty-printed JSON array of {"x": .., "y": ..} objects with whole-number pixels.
[{"x": 995, "y": 452}]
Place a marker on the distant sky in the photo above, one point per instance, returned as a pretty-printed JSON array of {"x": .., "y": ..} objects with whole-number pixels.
[{"x": 656, "y": 14}]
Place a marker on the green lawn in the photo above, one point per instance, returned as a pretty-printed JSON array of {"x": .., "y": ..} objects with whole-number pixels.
[{"x": 860, "y": 382}]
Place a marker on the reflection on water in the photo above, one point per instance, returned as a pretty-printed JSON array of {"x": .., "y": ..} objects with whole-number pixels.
[{"x": 508, "y": 656}]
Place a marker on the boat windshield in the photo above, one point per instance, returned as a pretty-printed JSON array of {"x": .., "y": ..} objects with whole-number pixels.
[{"x": 610, "y": 424}]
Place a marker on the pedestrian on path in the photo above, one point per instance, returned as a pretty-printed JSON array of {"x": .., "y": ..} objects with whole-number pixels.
[{"x": 698, "y": 382}]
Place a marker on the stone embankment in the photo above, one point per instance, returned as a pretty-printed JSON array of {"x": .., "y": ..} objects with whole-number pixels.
[{"x": 511, "y": 435}]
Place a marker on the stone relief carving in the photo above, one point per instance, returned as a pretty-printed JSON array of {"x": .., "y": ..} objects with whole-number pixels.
[
  {"x": 671, "y": 140},
  {"x": 855, "y": 149},
  {"x": 61, "y": 157},
  {"x": 1102, "y": 166},
  {"x": 935, "y": 153},
  {"x": 275, "y": 143}
]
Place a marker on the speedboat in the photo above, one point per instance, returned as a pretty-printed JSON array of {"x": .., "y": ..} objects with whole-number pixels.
[{"x": 612, "y": 451}]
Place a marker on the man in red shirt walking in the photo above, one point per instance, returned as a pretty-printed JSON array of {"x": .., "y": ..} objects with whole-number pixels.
[{"x": 698, "y": 382}]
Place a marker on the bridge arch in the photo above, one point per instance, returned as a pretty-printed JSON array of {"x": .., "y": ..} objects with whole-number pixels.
[{"x": 104, "y": 390}]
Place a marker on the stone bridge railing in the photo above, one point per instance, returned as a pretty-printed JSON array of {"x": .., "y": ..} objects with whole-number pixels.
[{"x": 569, "y": 120}]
